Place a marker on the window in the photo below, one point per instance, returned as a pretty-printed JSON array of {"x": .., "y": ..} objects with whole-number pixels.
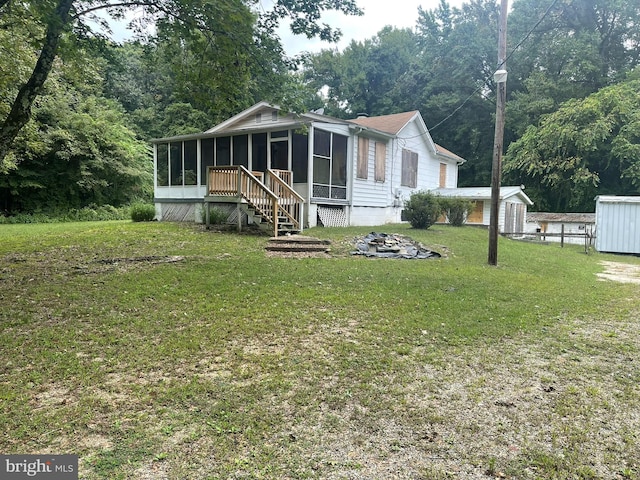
[
  {"x": 329, "y": 165},
  {"x": 162, "y": 158},
  {"x": 363, "y": 158},
  {"x": 476, "y": 215},
  {"x": 381, "y": 161},
  {"x": 409, "y": 169},
  {"x": 442, "y": 183}
]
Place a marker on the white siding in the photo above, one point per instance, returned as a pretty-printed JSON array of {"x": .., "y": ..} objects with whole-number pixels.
[
  {"x": 414, "y": 139},
  {"x": 367, "y": 192},
  {"x": 618, "y": 224}
]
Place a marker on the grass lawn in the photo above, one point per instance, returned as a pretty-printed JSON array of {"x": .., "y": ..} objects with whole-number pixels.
[{"x": 164, "y": 351}]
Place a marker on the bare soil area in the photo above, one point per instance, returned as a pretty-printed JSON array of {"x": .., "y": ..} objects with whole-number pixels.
[{"x": 620, "y": 272}]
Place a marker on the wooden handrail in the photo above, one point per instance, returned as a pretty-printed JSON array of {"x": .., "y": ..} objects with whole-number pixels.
[
  {"x": 273, "y": 199},
  {"x": 285, "y": 175},
  {"x": 289, "y": 201}
]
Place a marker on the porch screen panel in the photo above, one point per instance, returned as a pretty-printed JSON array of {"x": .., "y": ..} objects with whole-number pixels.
[
  {"x": 191, "y": 162},
  {"x": 259, "y": 152},
  {"x": 175, "y": 160},
  {"x": 241, "y": 150},
  {"x": 322, "y": 143},
  {"x": 300, "y": 160},
  {"x": 409, "y": 176},
  {"x": 280, "y": 155},
  {"x": 206, "y": 158},
  {"x": 223, "y": 151},
  {"x": 363, "y": 158},
  {"x": 339, "y": 161},
  {"x": 381, "y": 162},
  {"x": 162, "y": 158}
]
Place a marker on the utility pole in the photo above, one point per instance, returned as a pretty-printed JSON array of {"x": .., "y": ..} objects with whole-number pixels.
[{"x": 500, "y": 77}]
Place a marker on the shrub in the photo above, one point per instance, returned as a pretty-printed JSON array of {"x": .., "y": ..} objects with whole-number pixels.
[
  {"x": 217, "y": 216},
  {"x": 143, "y": 212},
  {"x": 90, "y": 213},
  {"x": 456, "y": 210},
  {"x": 422, "y": 210}
]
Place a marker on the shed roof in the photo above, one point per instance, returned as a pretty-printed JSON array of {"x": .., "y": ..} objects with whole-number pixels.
[
  {"x": 483, "y": 193},
  {"x": 618, "y": 199},
  {"x": 561, "y": 217}
]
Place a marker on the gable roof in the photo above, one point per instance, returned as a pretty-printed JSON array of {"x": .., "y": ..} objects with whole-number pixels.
[
  {"x": 387, "y": 123},
  {"x": 394, "y": 123},
  {"x": 483, "y": 193}
]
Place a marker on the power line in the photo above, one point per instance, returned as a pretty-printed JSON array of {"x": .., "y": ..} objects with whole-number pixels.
[{"x": 486, "y": 80}]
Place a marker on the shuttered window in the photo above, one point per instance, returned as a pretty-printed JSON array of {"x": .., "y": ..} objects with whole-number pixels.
[
  {"x": 363, "y": 158},
  {"x": 381, "y": 161},
  {"x": 443, "y": 175},
  {"x": 409, "y": 169}
]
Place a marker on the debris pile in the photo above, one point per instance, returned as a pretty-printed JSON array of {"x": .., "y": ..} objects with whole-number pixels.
[{"x": 392, "y": 246}]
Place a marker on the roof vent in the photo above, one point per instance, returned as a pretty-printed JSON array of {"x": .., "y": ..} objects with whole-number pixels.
[{"x": 363, "y": 115}]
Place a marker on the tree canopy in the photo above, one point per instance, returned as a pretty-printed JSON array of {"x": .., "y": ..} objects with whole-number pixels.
[
  {"x": 77, "y": 108},
  {"x": 586, "y": 147}
]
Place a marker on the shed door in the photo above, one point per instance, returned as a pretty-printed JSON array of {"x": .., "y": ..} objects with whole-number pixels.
[{"x": 514, "y": 218}]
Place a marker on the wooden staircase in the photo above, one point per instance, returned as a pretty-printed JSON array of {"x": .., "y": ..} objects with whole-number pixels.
[{"x": 268, "y": 199}]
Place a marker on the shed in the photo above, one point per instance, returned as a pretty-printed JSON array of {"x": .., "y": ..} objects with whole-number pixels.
[
  {"x": 618, "y": 224},
  {"x": 512, "y": 209},
  {"x": 552, "y": 226}
]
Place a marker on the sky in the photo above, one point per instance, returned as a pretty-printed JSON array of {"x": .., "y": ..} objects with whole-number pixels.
[{"x": 377, "y": 15}]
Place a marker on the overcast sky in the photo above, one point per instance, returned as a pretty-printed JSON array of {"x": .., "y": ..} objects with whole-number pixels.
[{"x": 377, "y": 15}]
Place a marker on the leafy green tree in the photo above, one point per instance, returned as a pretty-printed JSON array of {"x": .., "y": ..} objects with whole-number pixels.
[
  {"x": 226, "y": 25},
  {"x": 362, "y": 78},
  {"x": 579, "y": 47},
  {"x": 76, "y": 152},
  {"x": 585, "y": 148}
]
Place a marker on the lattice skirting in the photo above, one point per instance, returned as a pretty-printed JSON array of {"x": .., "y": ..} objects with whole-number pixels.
[
  {"x": 178, "y": 212},
  {"x": 332, "y": 216}
]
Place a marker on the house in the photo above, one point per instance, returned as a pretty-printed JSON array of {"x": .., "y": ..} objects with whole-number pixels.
[
  {"x": 618, "y": 224},
  {"x": 288, "y": 171},
  {"x": 574, "y": 228},
  {"x": 513, "y": 203}
]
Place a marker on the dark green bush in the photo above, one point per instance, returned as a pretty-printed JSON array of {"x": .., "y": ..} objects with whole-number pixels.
[
  {"x": 143, "y": 212},
  {"x": 90, "y": 213},
  {"x": 456, "y": 210},
  {"x": 422, "y": 210},
  {"x": 217, "y": 216}
]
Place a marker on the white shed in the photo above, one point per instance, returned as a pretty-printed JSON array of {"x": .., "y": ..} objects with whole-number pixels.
[{"x": 618, "y": 224}]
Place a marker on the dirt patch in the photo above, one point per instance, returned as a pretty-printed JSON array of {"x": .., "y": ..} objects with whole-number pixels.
[{"x": 620, "y": 272}]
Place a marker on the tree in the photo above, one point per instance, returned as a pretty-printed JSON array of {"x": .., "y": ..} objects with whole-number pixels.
[
  {"x": 586, "y": 148},
  {"x": 362, "y": 78},
  {"x": 219, "y": 18},
  {"x": 579, "y": 47}
]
